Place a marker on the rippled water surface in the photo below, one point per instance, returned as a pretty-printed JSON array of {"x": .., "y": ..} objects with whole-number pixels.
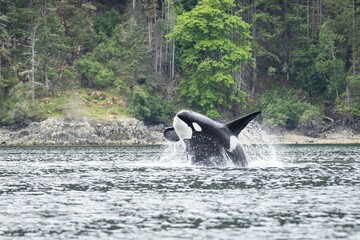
[{"x": 307, "y": 192}]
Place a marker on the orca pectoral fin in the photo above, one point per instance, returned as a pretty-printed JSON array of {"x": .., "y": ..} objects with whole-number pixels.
[
  {"x": 239, "y": 124},
  {"x": 171, "y": 135}
]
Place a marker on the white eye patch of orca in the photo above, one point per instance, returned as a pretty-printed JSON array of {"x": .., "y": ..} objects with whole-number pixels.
[
  {"x": 182, "y": 129},
  {"x": 197, "y": 127}
]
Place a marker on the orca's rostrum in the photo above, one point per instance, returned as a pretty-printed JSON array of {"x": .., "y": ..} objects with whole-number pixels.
[{"x": 208, "y": 142}]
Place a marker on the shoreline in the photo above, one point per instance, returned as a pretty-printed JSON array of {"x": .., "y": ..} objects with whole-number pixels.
[
  {"x": 331, "y": 139},
  {"x": 336, "y": 135},
  {"x": 130, "y": 131}
]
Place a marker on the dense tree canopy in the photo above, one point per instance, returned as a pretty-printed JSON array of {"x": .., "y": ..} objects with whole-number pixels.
[{"x": 157, "y": 56}]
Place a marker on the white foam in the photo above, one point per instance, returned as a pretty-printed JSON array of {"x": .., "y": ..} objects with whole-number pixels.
[
  {"x": 258, "y": 147},
  {"x": 173, "y": 155}
]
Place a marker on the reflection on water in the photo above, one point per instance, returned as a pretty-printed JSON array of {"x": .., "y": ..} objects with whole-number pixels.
[{"x": 308, "y": 192}]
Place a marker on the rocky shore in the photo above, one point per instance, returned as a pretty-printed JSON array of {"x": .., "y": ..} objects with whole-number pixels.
[
  {"x": 82, "y": 131},
  {"x": 130, "y": 131},
  {"x": 337, "y": 135}
]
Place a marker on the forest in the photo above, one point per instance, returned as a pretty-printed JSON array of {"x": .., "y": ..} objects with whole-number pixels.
[{"x": 298, "y": 61}]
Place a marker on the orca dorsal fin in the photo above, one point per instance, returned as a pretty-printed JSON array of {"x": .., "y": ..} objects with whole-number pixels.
[
  {"x": 239, "y": 124},
  {"x": 171, "y": 135}
]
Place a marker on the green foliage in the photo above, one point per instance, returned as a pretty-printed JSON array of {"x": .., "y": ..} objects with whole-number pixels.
[
  {"x": 18, "y": 107},
  {"x": 140, "y": 104},
  {"x": 8, "y": 80},
  {"x": 354, "y": 93},
  {"x": 104, "y": 24},
  {"x": 328, "y": 64},
  {"x": 311, "y": 45},
  {"x": 149, "y": 108},
  {"x": 349, "y": 102},
  {"x": 23, "y": 112},
  {"x": 213, "y": 44},
  {"x": 286, "y": 107},
  {"x": 119, "y": 61},
  {"x": 95, "y": 73},
  {"x": 70, "y": 77}
]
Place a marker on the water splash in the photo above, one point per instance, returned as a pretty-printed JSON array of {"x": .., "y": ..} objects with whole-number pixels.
[
  {"x": 174, "y": 153},
  {"x": 257, "y": 144}
]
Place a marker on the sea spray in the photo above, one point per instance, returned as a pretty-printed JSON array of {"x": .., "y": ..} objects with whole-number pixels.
[
  {"x": 259, "y": 146},
  {"x": 174, "y": 154}
]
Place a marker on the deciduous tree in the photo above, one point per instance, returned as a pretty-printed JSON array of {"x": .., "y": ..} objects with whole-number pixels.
[{"x": 213, "y": 43}]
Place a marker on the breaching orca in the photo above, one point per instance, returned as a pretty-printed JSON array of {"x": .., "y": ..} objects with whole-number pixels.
[{"x": 209, "y": 143}]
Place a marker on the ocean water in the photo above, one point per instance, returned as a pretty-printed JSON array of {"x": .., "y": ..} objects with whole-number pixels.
[{"x": 152, "y": 192}]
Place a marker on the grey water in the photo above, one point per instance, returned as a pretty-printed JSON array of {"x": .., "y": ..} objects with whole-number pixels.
[{"x": 152, "y": 192}]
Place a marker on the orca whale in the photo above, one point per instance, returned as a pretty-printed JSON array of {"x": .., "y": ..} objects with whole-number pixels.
[{"x": 209, "y": 143}]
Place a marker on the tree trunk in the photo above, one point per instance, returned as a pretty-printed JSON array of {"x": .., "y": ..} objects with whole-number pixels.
[
  {"x": 308, "y": 17},
  {"x": 0, "y": 63},
  {"x": 173, "y": 59},
  {"x": 46, "y": 78},
  {"x": 160, "y": 52},
  {"x": 32, "y": 59},
  {"x": 33, "y": 35},
  {"x": 353, "y": 53},
  {"x": 353, "y": 39},
  {"x": 254, "y": 77},
  {"x": 133, "y": 7},
  {"x": 46, "y": 64}
]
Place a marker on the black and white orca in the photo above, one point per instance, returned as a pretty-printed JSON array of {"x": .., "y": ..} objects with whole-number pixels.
[{"x": 209, "y": 143}]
